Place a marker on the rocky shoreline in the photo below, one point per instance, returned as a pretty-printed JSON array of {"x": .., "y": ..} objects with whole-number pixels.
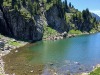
[
  {"x": 6, "y": 45},
  {"x": 94, "y": 68},
  {"x": 63, "y": 36}
]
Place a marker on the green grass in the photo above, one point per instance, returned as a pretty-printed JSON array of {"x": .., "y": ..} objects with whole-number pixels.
[
  {"x": 10, "y": 41},
  {"x": 1, "y": 36},
  {"x": 75, "y": 32},
  {"x": 99, "y": 27},
  {"x": 93, "y": 31},
  {"x": 25, "y": 13},
  {"x": 96, "y": 72},
  {"x": 48, "y": 6},
  {"x": 14, "y": 43},
  {"x": 68, "y": 17},
  {"x": 73, "y": 10},
  {"x": 49, "y": 32}
]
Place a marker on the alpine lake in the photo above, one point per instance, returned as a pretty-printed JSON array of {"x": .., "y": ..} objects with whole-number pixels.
[{"x": 61, "y": 57}]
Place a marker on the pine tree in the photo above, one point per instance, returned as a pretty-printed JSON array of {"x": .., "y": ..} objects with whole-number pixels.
[
  {"x": 48, "y": 1},
  {"x": 1, "y": 2},
  {"x": 13, "y": 3},
  {"x": 66, "y": 6},
  {"x": 24, "y": 3},
  {"x": 59, "y": 2},
  {"x": 70, "y": 5},
  {"x": 19, "y": 4},
  {"x": 30, "y": 5}
]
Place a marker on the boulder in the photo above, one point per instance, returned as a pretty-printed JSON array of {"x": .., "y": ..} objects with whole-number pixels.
[
  {"x": 2, "y": 45},
  {"x": 64, "y": 34}
]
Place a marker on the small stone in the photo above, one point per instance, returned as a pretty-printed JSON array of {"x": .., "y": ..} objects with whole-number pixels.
[
  {"x": 16, "y": 51},
  {"x": 39, "y": 70},
  {"x": 85, "y": 74},
  {"x": 55, "y": 73},
  {"x": 31, "y": 71},
  {"x": 14, "y": 40},
  {"x": 13, "y": 73},
  {"x": 51, "y": 64},
  {"x": 80, "y": 68},
  {"x": 77, "y": 63}
]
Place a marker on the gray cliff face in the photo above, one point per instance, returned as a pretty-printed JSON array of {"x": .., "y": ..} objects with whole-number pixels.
[
  {"x": 15, "y": 25},
  {"x": 55, "y": 21},
  {"x": 22, "y": 29}
]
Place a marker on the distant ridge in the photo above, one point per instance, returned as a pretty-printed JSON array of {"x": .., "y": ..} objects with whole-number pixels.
[{"x": 96, "y": 16}]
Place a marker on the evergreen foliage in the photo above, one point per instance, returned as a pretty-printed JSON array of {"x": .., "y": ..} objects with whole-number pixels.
[
  {"x": 1, "y": 2},
  {"x": 14, "y": 2},
  {"x": 24, "y": 3},
  {"x": 70, "y": 5}
]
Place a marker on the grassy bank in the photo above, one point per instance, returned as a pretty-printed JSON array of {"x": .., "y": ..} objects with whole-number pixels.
[
  {"x": 11, "y": 41},
  {"x": 49, "y": 32},
  {"x": 96, "y": 70}
]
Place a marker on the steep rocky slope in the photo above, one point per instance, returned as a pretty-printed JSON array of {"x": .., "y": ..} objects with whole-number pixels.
[
  {"x": 96, "y": 16},
  {"x": 26, "y": 19},
  {"x": 14, "y": 24},
  {"x": 55, "y": 21}
]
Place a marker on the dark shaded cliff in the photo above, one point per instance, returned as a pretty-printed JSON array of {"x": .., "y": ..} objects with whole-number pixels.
[{"x": 15, "y": 25}]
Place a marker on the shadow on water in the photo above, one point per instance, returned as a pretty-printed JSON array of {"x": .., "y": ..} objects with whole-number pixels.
[{"x": 74, "y": 55}]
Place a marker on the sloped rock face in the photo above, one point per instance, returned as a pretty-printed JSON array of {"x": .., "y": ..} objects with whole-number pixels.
[
  {"x": 55, "y": 21},
  {"x": 3, "y": 25},
  {"x": 13, "y": 24},
  {"x": 20, "y": 28}
]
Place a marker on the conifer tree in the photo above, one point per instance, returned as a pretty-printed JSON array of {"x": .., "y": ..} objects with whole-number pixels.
[
  {"x": 13, "y": 3},
  {"x": 1, "y": 2},
  {"x": 70, "y": 5},
  {"x": 48, "y": 1},
  {"x": 66, "y": 4},
  {"x": 24, "y": 3},
  {"x": 30, "y": 5},
  {"x": 19, "y": 4}
]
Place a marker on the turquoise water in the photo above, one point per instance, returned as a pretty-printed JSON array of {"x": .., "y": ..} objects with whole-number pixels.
[
  {"x": 77, "y": 54},
  {"x": 84, "y": 49}
]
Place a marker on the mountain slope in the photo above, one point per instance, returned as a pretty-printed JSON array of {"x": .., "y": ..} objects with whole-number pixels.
[
  {"x": 26, "y": 19},
  {"x": 96, "y": 16}
]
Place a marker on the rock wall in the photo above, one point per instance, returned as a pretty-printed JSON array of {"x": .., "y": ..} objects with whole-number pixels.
[
  {"x": 19, "y": 27},
  {"x": 3, "y": 25},
  {"x": 13, "y": 24},
  {"x": 55, "y": 21}
]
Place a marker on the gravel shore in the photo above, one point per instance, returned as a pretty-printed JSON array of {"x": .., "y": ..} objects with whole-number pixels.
[{"x": 6, "y": 45}]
